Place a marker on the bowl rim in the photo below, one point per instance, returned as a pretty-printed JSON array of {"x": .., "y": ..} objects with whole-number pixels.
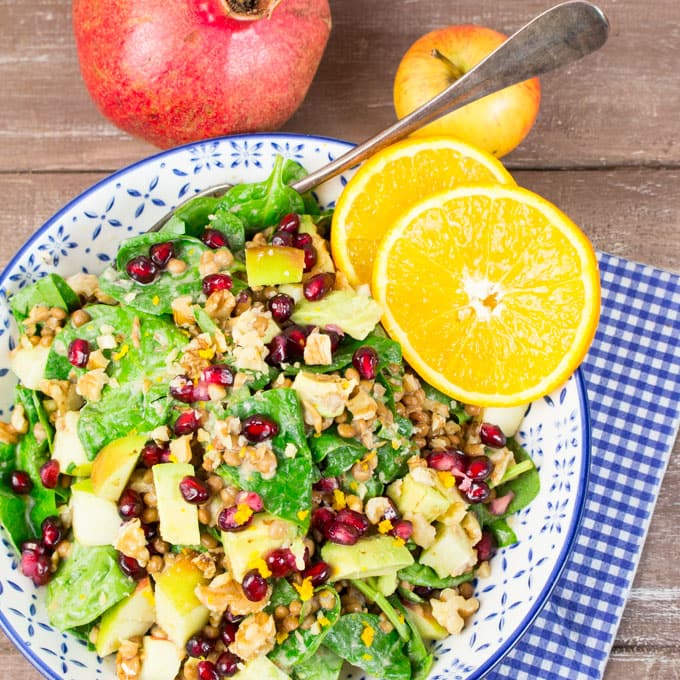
[{"x": 586, "y": 444}]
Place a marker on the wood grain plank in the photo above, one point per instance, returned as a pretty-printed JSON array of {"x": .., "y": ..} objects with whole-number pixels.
[{"x": 49, "y": 122}]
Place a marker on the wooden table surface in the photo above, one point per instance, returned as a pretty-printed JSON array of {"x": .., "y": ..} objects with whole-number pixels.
[{"x": 605, "y": 149}]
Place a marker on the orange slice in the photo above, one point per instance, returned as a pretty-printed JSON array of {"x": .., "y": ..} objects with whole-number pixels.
[
  {"x": 492, "y": 292},
  {"x": 391, "y": 181}
]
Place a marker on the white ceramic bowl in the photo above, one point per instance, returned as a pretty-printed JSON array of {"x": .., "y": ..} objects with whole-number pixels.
[{"x": 84, "y": 236}]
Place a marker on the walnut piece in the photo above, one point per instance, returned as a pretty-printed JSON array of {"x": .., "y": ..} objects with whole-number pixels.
[
  {"x": 256, "y": 635},
  {"x": 132, "y": 542},
  {"x": 451, "y": 609}
]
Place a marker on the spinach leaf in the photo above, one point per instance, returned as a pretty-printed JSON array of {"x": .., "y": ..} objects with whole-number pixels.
[
  {"x": 382, "y": 658},
  {"x": 503, "y": 533},
  {"x": 7, "y": 460},
  {"x": 51, "y": 291},
  {"x": 422, "y": 575},
  {"x": 282, "y": 593},
  {"x": 231, "y": 226},
  {"x": 338, "y": 453},
  {"x": 293, "y": 172},
  {"x": 324, "y": 665},
  {"x": 420, "y": 657},
  {"x": 289, "y": 493},
  {"x": 13, "y": 516},
  {"x": 194, "y": 215},
  {"x": 86, "y": 584},
  {"x": 457, "y": 409}
]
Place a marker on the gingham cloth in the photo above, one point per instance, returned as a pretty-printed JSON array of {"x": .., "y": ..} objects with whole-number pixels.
[{"x": 632, "y": 373}]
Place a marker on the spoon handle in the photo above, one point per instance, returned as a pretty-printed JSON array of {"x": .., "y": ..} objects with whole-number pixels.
[{"x": 554, "y": 38}]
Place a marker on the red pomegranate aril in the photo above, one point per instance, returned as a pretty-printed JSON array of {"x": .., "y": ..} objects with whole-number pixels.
[
  {"x": 182, "y": 389},
  {"x": 391, "y": 513},
  {"x": 21, "y": 483},
  {"x": 130, "y": 567},
  {"x": 206, "y": 670},
  {"x": 33, "y": 545},
  {"x": 278, "y": 350},
  {"x": 36, "y": 566},
  {"x": 402, "y": 528},
  {"x": 476, "y": 492},
  {"x": 321, "y": 518},
  {"x": 297, "y": 340},
  {"x": 250, "y": 498},
  {"x": 228, "y": 632},
  {"x": 215, "y": 282},
  {"x": 218, "y": 374},
  {"x": 142, "y": 269},
  {"x": 257, "y": 428},
  {"x": 365, "y": 359},
  {"x": 425, "y": 592},
  {"x": 78, "y": 352},
  {"x": 227, "y": 664},
  {"x": 162, "y": 253},
  {"x": 198, "y": 646},
  {"x": 228, "y": 520},
  {"x": 51, "y": 532},
  {"x": 289, "y": 223},
  {"x": 318, "y": 286},
  {"x": 130, "y": 504},
  {"x": 318, "y": 573},
  {"x": 186, "y": 423},
  {"x": 214, "y": 239},
  {"x": 327, "y": 484},
  {"x": 49, "y": 474},
  {"x": 486, "y": 546},
  {"x": 254, "y": 586},
  {"x": 310, "y": 257},
  {"x": 150, "y": 530},
  {"x": 492, "y": 435},
  {"x": 447, "y": 460},
  {"x": 194, "y": 491},
  {"x": 282, "y": 238},
  {"x": 479, "y": 468},
  {"x": 302, "y": 240},
  {"x": 336, "y": 338},
  {"x": 281, "y": 562},
  {"x": 354, "y": 519},
  {"x": 343, "y": 534},
  {"x": 152, "y": 454},
  {"x": 281, "y": 307}
]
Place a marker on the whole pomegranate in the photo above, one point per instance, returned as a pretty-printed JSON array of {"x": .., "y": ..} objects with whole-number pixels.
[{"x": 178, "y": 71}]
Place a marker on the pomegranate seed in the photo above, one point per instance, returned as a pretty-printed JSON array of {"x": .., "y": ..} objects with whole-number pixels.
[
  {"x": 227, "y": 664},
  {"x": 447, "y": 460},
  {"x": 343, "y": 534},
  {"x": 327, "y": 484},
  {"x": 310, "y": 257},
  {"x": 152, "y": 454},
  {"x": 49, "y": 474},
  {"x": 486, "y": 546},
  {"x": 318, "y": 573},
  {"x": 78, "y": 352},
  {"x": 282, "y": 238},
  {"x": 243, "y": 297},
  {"x": 182, "y": 389},
  {"x": 150, "y": 530},
  {"x": 215, "y": 282},
  {"x": 492, "y": 435},
  {"x": 130, "y": 504},
  {"x": 258, "y": 427},
  {"x": 302, "y": 240},
  {"x": 227, "y": 520},
  {"x": 206, "y": 671},
  {"x": 142, "y": 269},
  {"x": 186, "y": 423},
  {"x": 321, "y": 518},
  {"x": 162, "y": 253},
  {"x": 281, "y": 306},
  {"x": 21, "y": 482},
  {"x": 51, "y": 532},
  {"x": 365, "y": 359},
  {"x": 130, "y": 567},
  {"x": 213, "y": 239},
  {"x": 391, "y": 512},
  {"x": 335, "y": 337},
  {"x": 278, "y": 350},
  {"x": 230, "y": 617},
  {"x": 403, "y": 529},
  {"x": 424, "y": 591},
  {"x": 218, "y": 374},
  {"x": 318, "y": 286},
  {"x": 281, "y": 562},
  {"x": 199, "y": 646},
  {"x": 297, "y": 340},
  {"x": 479, "y": 468},
  {"x": 477, "y": 492},
  {"x": 354, "y": 519},
  {"x": 252, "y": 499},
  {"x": 34, "y": 545},
  {"x": 194, "y": 491},
  {"x": 36, "y": 566},
  {"x": 289, "y": 223},
  {"x": 228, "y": 632},
  {"x": 254, "y": 586}
]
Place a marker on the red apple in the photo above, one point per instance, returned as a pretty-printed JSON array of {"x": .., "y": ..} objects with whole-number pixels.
[
  {"x": 497, "y": 123},
  {"x": 175, "y": 71}
]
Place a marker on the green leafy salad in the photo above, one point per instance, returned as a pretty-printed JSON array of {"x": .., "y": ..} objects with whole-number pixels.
[{"x": 218, "y": 464}]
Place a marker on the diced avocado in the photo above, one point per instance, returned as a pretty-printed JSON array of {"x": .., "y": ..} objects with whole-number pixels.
[
  {"x": 412, "y": 496},
  {"x": 68, "y": 449},
  {"x": 114, "y": 464},
  {"x": 161, "y": 659},
  {"x": 95, "y": 519},
  {"x": 130, "y": 617},
  {"x": 421, "y": 617},
  {"x": 178, "y": 611},
  {"x": 178, "y": 519},
  {"x": 451, "y": 553},
  {"x": 28, "y": 363},
  {"x": 261, "y": 668},
  {"x": 328, "y": 394},
  {"x": 245, "y": 548},
  {"x": 271, "y": 265},
  {"x": 355, "y": 314},
  {"x": 507, "y": 418},
  {"x": 387, "y": 583},
  {"x": 372, "y": 556}
]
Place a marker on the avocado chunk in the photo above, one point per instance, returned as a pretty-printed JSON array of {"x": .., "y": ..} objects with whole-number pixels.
[
  {"x": 271, "y": 265},
  {"x": 451, "y": 553},
  {"x": 161, "y": 659},
  {"x": 420, "y": 615},
  {"x": 412, "y": 496},
  {"x": 114, "y": 464},
  {"x": 261, "y": 668},
  {"x": 95, "y": 520},
  {"x": 178, "y": 519},
  {"x": 371, "y": 556},
  {"x": 387, "y": 583}
]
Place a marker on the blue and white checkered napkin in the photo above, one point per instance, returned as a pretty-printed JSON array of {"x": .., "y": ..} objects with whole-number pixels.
[{"x": 632, "y": 373}]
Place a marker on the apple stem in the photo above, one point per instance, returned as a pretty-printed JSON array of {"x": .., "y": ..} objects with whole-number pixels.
[{"x": 454, "y": 71}]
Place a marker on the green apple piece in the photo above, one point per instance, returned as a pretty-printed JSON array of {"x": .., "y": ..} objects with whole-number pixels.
[
  {"x": 411, "y": 496},
  {"x": 451, "y": 553},
  {"x": 354, "y": 313},
  {"x": 178, "y": 519},
  {"x": 508, "y": 418},
  {"x": 261, "y": 668},
  {"x": 421, "y": 617},
  {"x": 114, "y": 464},
  {"x": 161, "y": 659},
  {"x": 373, "y": 556},
  {"x": 178, "y": 611},
  {"x": 130, "y": 617},
  {"x": 245, "y": 548},
  {"x": 95, "y": 519},
  {"x": 271, "y": 265},
  {"x": 68, "y": 449},
  {"x": 28, "y": 363}
]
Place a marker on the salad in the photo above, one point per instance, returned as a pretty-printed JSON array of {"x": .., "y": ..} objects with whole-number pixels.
[{"x": 218, "y": 464}]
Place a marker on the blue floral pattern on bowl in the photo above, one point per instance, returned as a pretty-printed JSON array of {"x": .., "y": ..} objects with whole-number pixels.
[{"x": 84, "y": 236}]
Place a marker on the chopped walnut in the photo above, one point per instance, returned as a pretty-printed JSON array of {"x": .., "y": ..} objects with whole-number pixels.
[
  {"x": 451, "y": 609},
  {"x": 377, "y": 507},
  {"x": 318, "y": 349},
  {"x": 18, "y": 419},
  {"x": 63, "y": 393},
  {"x": 471, "y": 527},
  {"x": 502, "y": 459},
  {"x": 180, "y": 448},
  {"x": 132, "y": 542},
  {"x": 182, "y": 311},
  {"x": 362, "y": 406},
  {"x": 91, "y": 384},
  {"x": 197, "y": 355},
  {"x": 222, "y": 592},
  {"x": 128, "y": 661},
  {"x": 206, "y": 563},
  {"x": 256, "y": 635},
  {"x": 8, "y": 433},
  {"x": 97, "y": 360},
  {"x": 423, "y": 532},
  {"x": 220, "y": 305}
]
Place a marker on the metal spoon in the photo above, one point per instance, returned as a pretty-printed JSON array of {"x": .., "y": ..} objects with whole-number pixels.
[{"x": 554, "y": 38}]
